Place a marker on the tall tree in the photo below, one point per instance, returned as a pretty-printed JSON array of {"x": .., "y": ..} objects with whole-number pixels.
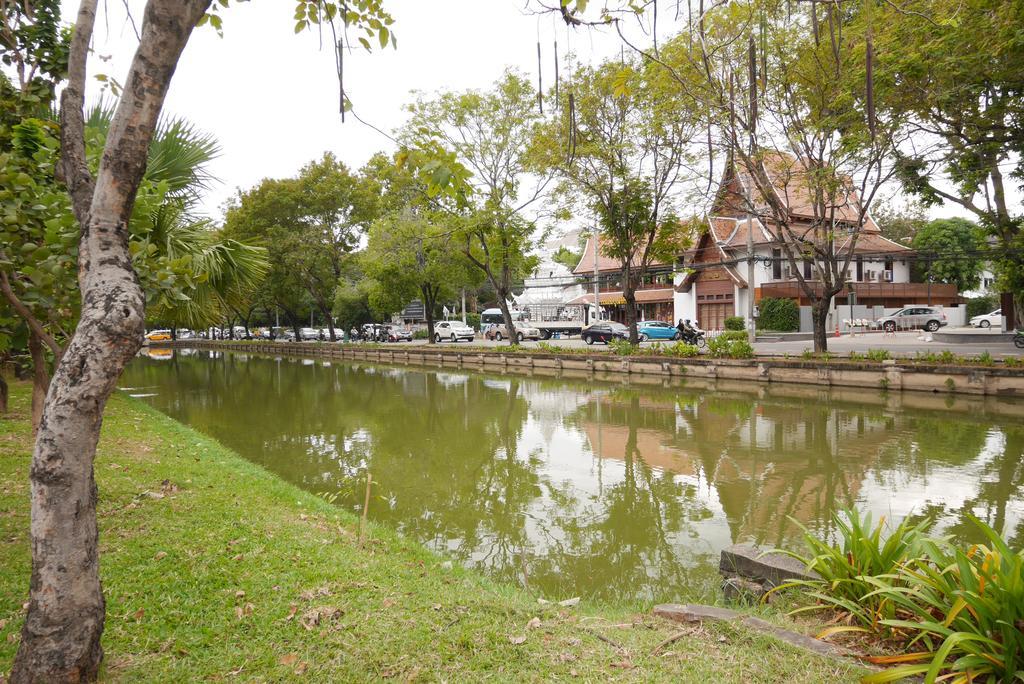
[
  {"x": 952, "y": 252},
  {"x": 631, "y": 141},
  {"x": 961, "y": 98},
  {"x": 412, "y": 251},
  {"x": 60, "y": 639},
  {"x": 805, "y": 149},
  {"x": 473, "y": 147},
  {"x": 313, "y": 221}
]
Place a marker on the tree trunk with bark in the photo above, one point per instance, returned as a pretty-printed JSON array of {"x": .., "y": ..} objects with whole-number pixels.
[
  {"x": 40, "y": 379},
  {"x": 629, "y": 295},
  {"x": 819, "y": 320},
  {"x": 60, "y": 639},
  {"x": 429, "y": 301},
  {"x": 510, "y": 326}
]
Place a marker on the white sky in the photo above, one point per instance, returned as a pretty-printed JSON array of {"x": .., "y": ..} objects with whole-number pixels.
[{"x": 271, "y": 97}]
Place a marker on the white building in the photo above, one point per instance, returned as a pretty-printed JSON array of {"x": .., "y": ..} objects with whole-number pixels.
[{"x": 712, "y": 285}]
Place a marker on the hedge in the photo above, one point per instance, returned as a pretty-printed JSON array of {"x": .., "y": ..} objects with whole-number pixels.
[{"x": 778, "y": 314}]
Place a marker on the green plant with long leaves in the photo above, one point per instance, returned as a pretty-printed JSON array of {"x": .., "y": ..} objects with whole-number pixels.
[
  {"x": 848, "y": 568},
  {"x": 965, "y": 610}
]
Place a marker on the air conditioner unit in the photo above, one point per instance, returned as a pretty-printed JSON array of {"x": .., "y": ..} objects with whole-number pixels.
[
  {"x": 888, "y": 276},
  {"x": 869, "y": 276}
]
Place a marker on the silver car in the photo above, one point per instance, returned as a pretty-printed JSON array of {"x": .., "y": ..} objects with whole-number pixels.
[{"x": 929, "y": 318}]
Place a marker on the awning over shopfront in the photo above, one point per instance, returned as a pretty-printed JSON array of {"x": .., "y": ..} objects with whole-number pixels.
[{"x": 616, "y": 298}]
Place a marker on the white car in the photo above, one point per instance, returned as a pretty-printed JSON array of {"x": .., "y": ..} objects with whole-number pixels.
[
  {"x": 988, "y": 320},
  {"x": 454, "y": 331},
  {"x": 309, "y": 334}
]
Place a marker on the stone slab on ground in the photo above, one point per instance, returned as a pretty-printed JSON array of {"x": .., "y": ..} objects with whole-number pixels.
[
  {"x": 773, "y": 569},
  {"x": 699, "y": 613}
]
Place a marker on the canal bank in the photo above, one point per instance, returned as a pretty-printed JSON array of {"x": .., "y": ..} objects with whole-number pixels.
[
  {"x": 214, "y": 568},
  {"x": 890, "y": 375}
]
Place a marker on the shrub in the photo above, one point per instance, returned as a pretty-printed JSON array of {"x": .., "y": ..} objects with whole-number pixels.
[
  {"x": 977, "y": 306},
  {"x": 473, "y": 320},
  {"x": 724, "y": 347},
  {"x": 735, "y": 323},
  {"x": 985, "y": 359},
  {"x": 622, "y": 347},
  {"x": 966, "y": 608},
  {"x": 420, "y": 334},
  {"x": 849, "y": 569},
  {"x": 781, "y": 315},
  {"x": 1014, "y": 361},
  {"x": 682, "y": 350}
]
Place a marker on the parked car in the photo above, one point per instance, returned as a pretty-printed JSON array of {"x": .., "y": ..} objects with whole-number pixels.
[
  {"x": 656, "y": 330},
  {"x": 158, "y": 335},
  {"x": 605, "y": 331},
  {"x": 185, "y": 334},
  {"x": 988, "y": 320},
  {"x": 929, "y": 318},
  {"x": 454, "y": 331},
  {"x": 524, "y": 331},
  {"x": 309, "y": 334},
  {"x": 396, "y": 334}
]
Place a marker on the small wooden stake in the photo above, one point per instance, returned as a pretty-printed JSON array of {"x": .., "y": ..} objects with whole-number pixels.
[{"x": 366, "y": 506}]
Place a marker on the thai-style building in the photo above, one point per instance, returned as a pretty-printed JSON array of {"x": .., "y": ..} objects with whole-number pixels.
[
  {"x": 712, "y": 283},
  {"x": 654, "y": 297}
]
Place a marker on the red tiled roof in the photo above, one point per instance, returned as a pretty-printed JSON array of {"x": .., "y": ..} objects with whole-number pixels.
[
  {"x": 642, "y": 297},
  {"x": 788, "y": 175},
  {"x": 604, "y": 263}
]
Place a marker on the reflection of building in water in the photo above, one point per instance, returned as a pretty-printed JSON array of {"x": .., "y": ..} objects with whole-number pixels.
[{"x": 767, "y": 463}]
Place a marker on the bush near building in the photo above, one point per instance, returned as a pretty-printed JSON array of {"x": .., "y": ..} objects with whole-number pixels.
[
  {"x": 735, "y": 323},
  {"x": 778, "y": 314}
]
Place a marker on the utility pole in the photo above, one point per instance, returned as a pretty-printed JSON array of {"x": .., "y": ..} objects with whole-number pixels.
[
  {"x": 463, "y": 306},
  {"x": 597, "y": 291},
  {"x": 751, "y": 334}
]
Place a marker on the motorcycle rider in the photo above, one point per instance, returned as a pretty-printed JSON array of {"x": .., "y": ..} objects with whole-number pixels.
[{"x": 687, "y": 332}]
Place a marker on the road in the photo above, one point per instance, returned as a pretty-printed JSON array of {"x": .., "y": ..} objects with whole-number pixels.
[{"x": 903, "y": 344}]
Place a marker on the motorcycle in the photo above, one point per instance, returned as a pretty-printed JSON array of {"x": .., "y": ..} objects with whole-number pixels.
[
  {"x": 1018, "y": 338},
  {"x": 694, "y": 336}
]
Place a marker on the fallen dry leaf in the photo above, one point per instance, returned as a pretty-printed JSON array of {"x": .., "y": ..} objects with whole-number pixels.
[
  {"x": 534, "y": 623},
  {"x": 318, "y": 616},
  {"x": 159, "y": 555},
  {"x": 238, "y": 557},
  {"x": 3, "y": 623},
  {"x": 239, "y": 594},
  {"x": 389, "y": 602},
  {"x": 139, "y": 614},
  {"x": 517, "y": 640},
  {"x": 301, "y": 668},
  {"x": 248, "y": 609},
  {"x": 239, "y": 613},
  {"x": 288, "y": 660},
  {"x": 292, "y": 609}
]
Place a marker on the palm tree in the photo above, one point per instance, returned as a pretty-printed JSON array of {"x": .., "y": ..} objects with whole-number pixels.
[{"x": 219, "y": 274}]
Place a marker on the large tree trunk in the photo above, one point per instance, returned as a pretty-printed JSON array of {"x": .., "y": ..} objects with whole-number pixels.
[
  {"x": 629, "y": 294},
  {"x": 510, "y": 326},
  {"x": 40, "y": 379},
  {"x": 428, "y": 311},
  {"x": 60, "y": 639},
  {"x": 819, "y": 319}
]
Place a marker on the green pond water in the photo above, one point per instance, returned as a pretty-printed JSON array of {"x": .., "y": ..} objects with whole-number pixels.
[{"x": 600, "y": 489}]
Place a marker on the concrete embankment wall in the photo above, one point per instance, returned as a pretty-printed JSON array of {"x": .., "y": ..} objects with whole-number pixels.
[{"x": 889, "y": 375}]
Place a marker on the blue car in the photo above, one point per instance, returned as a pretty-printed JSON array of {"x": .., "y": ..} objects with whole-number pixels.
[{"x": 656, "y": 330}]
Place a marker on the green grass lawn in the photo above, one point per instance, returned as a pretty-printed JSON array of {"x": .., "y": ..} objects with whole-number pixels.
[{"x": 215, "y": 569}]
